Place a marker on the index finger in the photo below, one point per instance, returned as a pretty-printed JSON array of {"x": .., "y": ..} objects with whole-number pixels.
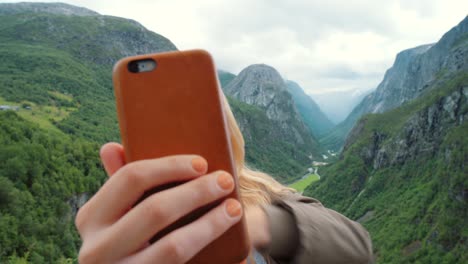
[{"x": 130, "y": 182}]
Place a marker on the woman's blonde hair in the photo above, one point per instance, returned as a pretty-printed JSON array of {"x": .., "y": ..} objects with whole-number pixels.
[{"x": 256, "y": 188}]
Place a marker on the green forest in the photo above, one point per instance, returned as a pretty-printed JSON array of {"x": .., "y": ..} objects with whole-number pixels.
[{"x": 41, "y": 171}]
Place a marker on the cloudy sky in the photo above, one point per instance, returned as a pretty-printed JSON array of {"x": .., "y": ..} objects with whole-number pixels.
[{"x": 333, "y": 48}]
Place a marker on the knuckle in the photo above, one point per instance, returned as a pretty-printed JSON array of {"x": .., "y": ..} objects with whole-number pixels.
[
  {"x": 131, "y": 174},
  {"x": 152, "y": 209},
  {"x": 218, "y": 221},
  {"x": 174, "y": 252},
  {"x": 88, "y": 255},
  {"x": 196, "y": 196},
  {"x": 217, "y": 224},
  {"x": 174, "y": 161}
]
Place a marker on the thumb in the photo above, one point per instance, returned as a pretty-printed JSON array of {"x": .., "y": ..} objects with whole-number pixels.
[{"x": 113, "y": 157}]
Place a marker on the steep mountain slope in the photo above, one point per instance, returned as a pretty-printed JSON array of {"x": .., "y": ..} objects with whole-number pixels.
[
  {"x": 55, "y": 73},
  {"x": 310, "y": 112},
  {"x": 81, "y": 32},
  {"x": 403, "y": 175},
  {"x": 262, "y": 87},
  {"x": 265, "y": 150},
  {"x": 51, "y": 50},
  {"x": 225, "y": 77},
  {"x": 413, "y": 72}
]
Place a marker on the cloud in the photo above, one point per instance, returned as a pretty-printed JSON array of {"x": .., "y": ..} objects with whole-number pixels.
[{"x": 325, "y": 46}]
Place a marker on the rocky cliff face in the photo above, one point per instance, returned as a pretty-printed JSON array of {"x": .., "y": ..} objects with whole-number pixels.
[
  {"x": 414, "y": 71},
  {"x": 421, "y": 135},
  {"x": 75, "y": 203},
  {"x": 262, "y": 86}
]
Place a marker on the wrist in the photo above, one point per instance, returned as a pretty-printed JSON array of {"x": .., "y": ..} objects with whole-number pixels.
[
  {"x": 258, "y": 227},
  {"x": 264, "y": 237}
]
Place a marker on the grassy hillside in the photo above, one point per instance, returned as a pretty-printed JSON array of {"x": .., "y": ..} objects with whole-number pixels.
[
  {"x": 335, "y": 139},
  {"x": 45, "y": 54},
  {"x": 415, "y": 208},
  {"x": 49, "y": 77},
  {"x": 263, "y": 151},
  {"x": 303, "y": 183}
]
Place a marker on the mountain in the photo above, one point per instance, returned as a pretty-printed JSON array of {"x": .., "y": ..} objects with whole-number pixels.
[
  {"x": 57, "y": 108},
  {"x": 76, "y": 49},
  {"x": 402, "y": 173},
  {"x": 310, "y": 112},
  {"x": 225, "y": 77},
  {"x": 263, "y": 88},
  {"x": 81, "y": 32},
  {"x": 55, "y": 76},
  {"x": 57, "y": 55},
  {"x": 412, "y": 73}
]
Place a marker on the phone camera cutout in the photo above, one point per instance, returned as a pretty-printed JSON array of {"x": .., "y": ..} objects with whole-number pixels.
[{"x": 145, "y": 65}]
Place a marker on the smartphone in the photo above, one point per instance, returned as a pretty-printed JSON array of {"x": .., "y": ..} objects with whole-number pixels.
[{"x": 170, "y": 103}]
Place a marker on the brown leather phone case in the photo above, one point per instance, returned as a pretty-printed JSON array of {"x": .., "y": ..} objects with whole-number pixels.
[{"x": 177, "y": 109}]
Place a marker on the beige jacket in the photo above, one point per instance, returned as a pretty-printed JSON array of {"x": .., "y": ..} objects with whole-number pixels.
[{"x": 304, "y": 231}]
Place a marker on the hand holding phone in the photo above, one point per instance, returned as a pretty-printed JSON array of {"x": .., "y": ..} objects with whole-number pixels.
[
  {"x": 113, "y": 233},
  {"x": 170, "y": 110}
]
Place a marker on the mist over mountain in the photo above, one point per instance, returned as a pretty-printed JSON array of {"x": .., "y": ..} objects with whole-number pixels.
[
  {"x": 338, "y": 105},
  {"x": 413, "y": 72},
  {"x": 310, "y": 112}
]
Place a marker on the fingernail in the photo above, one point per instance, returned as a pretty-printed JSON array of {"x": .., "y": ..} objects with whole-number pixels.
[
  {"x": 225, "y": 181},
  {"x": 200, "y": 165},
  {"x": 233, "y": 208}
]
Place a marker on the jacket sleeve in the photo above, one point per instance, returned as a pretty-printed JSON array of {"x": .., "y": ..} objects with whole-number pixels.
[{"x": 304, "y": 231}]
